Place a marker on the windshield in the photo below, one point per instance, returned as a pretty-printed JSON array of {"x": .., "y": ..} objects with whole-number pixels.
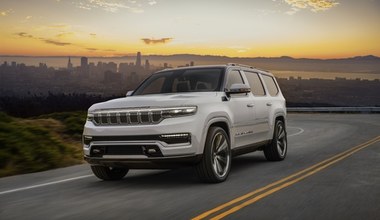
[{"x": 187, "y": 80}]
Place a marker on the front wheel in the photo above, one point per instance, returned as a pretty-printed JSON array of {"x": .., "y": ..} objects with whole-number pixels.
[
  {"x": 109, "y": 173},
  {"x": 276, "y": 150},
  {"x": 216, "y": 161}
]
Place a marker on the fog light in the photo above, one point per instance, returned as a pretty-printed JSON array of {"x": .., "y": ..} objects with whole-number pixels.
[
  {"x": 97, "y": 151},
  {"x": 176, "y": 138},
  {"x": 151, "y": 151}
]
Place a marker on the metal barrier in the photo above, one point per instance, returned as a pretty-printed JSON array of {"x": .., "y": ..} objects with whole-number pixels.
[{"x": 335, "y": 109}]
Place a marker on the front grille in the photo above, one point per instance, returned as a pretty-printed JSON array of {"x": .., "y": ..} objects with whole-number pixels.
[{"x": 127, "y": 117}]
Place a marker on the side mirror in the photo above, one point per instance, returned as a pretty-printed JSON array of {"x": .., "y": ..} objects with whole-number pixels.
[
  {"x": 129, "y": 93},
  {"x": 238, "y": 88}
]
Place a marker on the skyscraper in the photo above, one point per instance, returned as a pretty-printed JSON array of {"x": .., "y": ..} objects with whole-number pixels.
[
  {"x": 138, "y": 59},
  {"x": 69, "y": 65},
  {"x": 147, "y": 65},
  {"x": 84, "y": 62},
  {"x": 85, "y": 72}
]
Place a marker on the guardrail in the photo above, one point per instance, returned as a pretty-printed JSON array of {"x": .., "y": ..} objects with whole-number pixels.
[{"x": 335, "y": 109}]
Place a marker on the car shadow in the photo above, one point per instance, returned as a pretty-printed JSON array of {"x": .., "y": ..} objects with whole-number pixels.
[{"x": 180, "y": 177}]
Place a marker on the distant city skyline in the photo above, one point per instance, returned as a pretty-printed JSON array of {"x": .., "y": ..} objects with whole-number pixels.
[
  {"x": 106, "y": 79},
  {"x": 241, "y": 28},
  {"x": 285, "y": 67}
]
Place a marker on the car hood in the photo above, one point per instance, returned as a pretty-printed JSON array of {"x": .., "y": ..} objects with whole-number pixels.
[{"x": 156, "y": 100}]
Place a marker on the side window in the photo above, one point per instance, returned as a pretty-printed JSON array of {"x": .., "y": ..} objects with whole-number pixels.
[
  {"x": 255, "y": 83},
  {"x": 271, "y": 85},
  {"x": 233, "y": 77}
]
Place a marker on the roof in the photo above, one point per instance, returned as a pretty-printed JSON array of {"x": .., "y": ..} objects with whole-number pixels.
[{"x": 241, "y": 66}]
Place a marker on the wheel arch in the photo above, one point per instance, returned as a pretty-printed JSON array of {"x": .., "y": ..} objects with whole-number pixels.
[
  {"x": 221, "y": 122},
  {"x": 222, "y": 125},
  {"x": 277, "y": 116},
  {"x": 280, "y": 118}
]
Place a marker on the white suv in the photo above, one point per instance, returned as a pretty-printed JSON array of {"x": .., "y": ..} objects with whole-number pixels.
[{"x": 199, "y": 115}]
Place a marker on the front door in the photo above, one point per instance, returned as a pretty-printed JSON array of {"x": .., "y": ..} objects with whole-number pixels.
[{"x": 242, "y": 112}]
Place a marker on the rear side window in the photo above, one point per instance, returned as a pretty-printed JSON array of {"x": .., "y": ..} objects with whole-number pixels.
[
  {"x": 271, "y": 85},
  {"x": 255, "y": 83},
  {"x": 233, "y": 77}
]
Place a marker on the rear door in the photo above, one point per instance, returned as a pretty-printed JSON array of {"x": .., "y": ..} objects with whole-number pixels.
[{"x": 274, "y": 98}]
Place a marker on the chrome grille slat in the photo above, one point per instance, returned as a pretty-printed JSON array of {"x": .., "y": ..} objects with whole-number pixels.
[
  {"x": 118, "y": 118},
  {"x": 109, "y": 118},
  {"x": 150, "y": 116},
  {"x": 139, "y": 117},
  {"x": 128, "y": 118}
]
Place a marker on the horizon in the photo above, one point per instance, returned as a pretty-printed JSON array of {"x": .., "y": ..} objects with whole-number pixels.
[
  {"x": 322, "y": 29},
  {"x": 186, "y": 54}
]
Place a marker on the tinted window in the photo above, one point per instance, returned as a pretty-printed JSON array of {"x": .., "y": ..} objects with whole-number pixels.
[
  {"x": 233, "y": 77},
  {"x": 155, "y": 86},
  {"x": 188, "y": 80},
  {"x": 271, "y": 85},
  {"x": 255, "y": 83}
]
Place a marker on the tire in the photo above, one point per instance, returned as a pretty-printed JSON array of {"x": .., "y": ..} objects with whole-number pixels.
[
  {"x": 276, "y": 150},
  {"x": 109, "y": 173},
  {"x": 215, "y": 164}
]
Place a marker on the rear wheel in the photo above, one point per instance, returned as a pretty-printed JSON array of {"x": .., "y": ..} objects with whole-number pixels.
[
  {"x": 216, "y": 161},
  {"x": 276, "y": 150},
  {"x": 109, "y": 173}
]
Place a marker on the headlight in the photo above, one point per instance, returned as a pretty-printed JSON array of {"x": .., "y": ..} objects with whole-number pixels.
[{"x": 178, "y": 111}]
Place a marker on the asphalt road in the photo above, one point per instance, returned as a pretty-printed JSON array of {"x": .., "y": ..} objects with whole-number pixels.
[{"x": 330, "y": 185}]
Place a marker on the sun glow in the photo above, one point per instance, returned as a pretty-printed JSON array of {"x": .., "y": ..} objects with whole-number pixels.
[{"x": 319, "y": 29}]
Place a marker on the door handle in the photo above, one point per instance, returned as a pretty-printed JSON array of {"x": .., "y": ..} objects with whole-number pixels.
[
  {"x": 250, "y": 105},
  {"x": 269, "y": 104}
]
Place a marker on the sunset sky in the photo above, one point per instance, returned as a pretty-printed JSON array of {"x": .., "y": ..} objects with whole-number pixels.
[{"x": 237, "y": 28}]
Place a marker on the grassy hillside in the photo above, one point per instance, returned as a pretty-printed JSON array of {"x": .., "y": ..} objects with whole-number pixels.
[{"x": 36, "y": 144}]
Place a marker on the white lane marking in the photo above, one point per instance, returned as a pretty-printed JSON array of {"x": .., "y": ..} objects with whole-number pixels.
[
  {"x": 44, "y": 184},
  {"x": 297, "y": 133}
]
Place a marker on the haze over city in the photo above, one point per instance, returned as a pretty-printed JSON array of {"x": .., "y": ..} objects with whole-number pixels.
[{"x": 242, "y": 28}]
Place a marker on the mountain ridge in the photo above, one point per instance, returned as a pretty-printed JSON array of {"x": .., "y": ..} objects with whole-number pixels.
[{"x": 285, "y": 57}]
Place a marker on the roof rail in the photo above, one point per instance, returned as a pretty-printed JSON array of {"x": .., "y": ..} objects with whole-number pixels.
[{"x": 242, "y": 65}]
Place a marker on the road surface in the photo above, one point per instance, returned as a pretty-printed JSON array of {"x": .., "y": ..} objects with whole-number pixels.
[{"x": 332, "y": 171}]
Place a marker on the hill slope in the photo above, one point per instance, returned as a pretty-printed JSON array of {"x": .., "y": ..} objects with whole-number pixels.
[{"x": 31, "y": 145}]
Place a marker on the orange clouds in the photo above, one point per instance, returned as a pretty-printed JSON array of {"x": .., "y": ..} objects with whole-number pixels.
[
  {"x": 134, "y": 6},
  {"x": 6, "y": 12},
  {"x": 45, "y": 40},
  {"x": 156, "y": 41},
  {"x": 314, "y": 5}
]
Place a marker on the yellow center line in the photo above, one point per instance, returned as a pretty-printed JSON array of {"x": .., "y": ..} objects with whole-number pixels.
[{"x": 284, "y": 183}]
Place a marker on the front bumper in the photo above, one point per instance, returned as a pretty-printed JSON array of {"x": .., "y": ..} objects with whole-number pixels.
[{"x": 145, "y": 163}]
